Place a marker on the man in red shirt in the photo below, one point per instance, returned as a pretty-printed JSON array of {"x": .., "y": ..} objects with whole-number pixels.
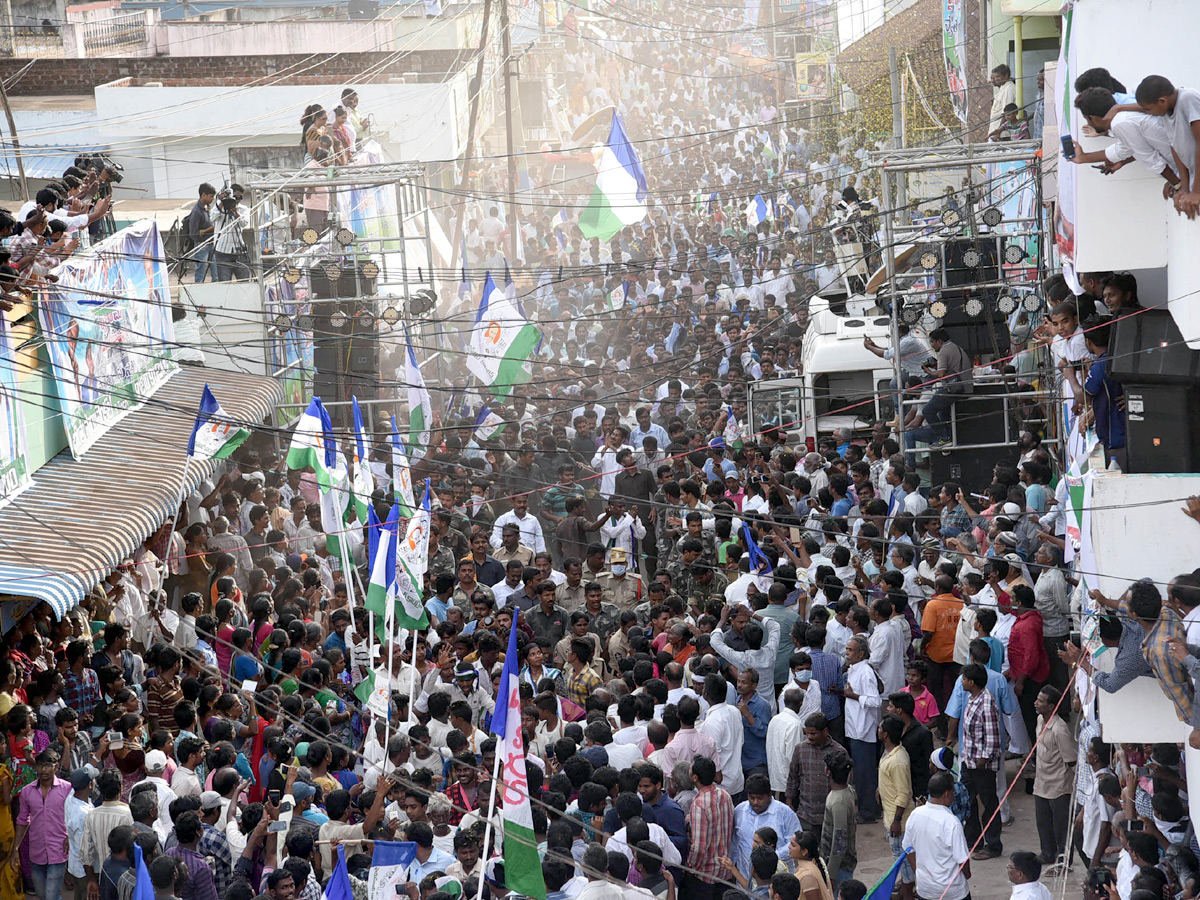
[{"x": 1028, "y": 665}]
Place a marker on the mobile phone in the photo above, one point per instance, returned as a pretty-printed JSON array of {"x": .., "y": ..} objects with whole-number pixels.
[
  {"x": 1068, "y": 147},
  {"x": 114, "y": 737},
  {"x": 275, "y": 796},
  {"x": 1076, "y": 638},
  {"x": 1137, "y": 825},
  {"x": 400, "y": 891},
  {"x": 794, "y": 534},
  {"x": 1142, "y": 772},
  {"x": 277, "y": 827}
]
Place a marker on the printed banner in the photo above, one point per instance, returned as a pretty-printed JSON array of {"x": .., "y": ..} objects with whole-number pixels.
[
  {"x": 108, "y": 330},
  {"x": 371, "y": 212},
  {"x": 14, "y": 466},
  {"x": 954, "y": 39},
  {"x": 812, "y": 76},
  {"x": 1068, "y": 125},
  {"x": 1013, "y": 190},
  {"x": 292, "y": 350}
]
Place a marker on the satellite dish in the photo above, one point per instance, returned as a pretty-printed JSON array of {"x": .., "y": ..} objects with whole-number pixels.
[
  {"x": 902, "y": 254},
  {"x": 600, "y": 118}
]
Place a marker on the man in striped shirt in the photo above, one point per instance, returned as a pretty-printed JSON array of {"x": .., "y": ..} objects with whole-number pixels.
[
  {"x": 710, "y": 823},
  {"x": 981, "y": 754}
]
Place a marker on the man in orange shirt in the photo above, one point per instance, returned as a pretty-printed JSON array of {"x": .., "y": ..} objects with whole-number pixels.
[{"x": 939, "y": 623}]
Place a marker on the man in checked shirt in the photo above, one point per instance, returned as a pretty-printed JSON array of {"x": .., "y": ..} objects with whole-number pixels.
[{"x": 981, "y": 756}]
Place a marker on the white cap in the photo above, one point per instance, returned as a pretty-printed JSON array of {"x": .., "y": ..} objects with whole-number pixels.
[{"x": 156, "y": 761}]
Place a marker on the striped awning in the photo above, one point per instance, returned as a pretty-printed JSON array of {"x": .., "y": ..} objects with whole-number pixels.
[{"x": 60, "y": 537}]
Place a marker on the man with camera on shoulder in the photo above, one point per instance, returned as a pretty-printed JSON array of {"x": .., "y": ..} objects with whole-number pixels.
[{"x": 230, "y": 255}]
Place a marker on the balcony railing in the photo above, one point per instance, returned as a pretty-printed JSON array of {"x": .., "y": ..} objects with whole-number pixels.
[{"x": 115, "y": 36}]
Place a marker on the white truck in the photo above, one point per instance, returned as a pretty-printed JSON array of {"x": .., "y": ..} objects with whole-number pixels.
[{"x": 842, "y": 385}]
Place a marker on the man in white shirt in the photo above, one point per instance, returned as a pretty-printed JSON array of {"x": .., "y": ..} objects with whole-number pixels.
[
  {"x": 530, "y": 528},
  {"x": 1024, "y": 870},
  {"x": 783, "y": 734},
  {"x": 762, "y": 643},
  {"x": 156, "y": 767},
  {"x": 723, "y": 724},
  {"x": 1006, "y": 93},
  {"x": 939, "y": 845},
  {"x": 887, "y": 646},
  {"x": 620, "y": 529},
  {"x": 863, "y": 703},
  {"x": 1136, "y": 136},
  {"x": 1181, "y": 109},
  {"x": 605, "y": 461}
]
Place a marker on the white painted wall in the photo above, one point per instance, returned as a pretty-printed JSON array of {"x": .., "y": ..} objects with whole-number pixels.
[
  {"x": 284, "y": 36},
  {"x": 1183, "y": 276},
  {"x": 857, "y": 17},
  {"x": 1123, "y": 222},
  {"x": 1129, "y": 512}
]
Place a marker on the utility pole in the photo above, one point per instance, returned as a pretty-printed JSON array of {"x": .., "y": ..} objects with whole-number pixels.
[
  {"x": 509, "y": 114},
  {"x": 474, "y": 89},
  {"x": 16, "y": 142},
  {"x": 897, "y": 123}
]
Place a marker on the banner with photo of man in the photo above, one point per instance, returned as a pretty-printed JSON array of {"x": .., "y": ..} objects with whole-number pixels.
[
  {"x": 108, "y": 331},
  {"x": 954, "y": 40},
  {"x": 371, "y": 211},
  {"x": 812, "y": 76},
  {"x": 14, "y": 466}
]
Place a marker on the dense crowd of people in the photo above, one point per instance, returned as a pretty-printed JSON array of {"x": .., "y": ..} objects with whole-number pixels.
[{"x": 737, "y": 655}]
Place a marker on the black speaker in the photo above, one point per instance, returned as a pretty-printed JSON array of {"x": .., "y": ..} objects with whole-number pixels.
[
  {"x": 971, "y": 317},
  {"x": 979, "y": 419},
  {"x": 346, "y": 285},
  {"x": 532, "y": 113},
  {"x": 1148, "y": 349},
  {"x": 328, "y": 384},
  {"x": 960, "y": 274},
  {"x": 345, "y": 353},
  {"x": 1162, "y": 430}
]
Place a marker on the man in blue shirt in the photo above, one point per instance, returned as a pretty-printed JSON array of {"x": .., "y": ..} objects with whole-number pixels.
[
  {"x": 340, "y": 620},
  {"x": 717, "y": 461},
  {"x": 667, "y": 813},
  {"x": 827, "y": 672},
  {"x": 997, "y": 686},
  {"x": 839, "y": 487},
  {"x": 756, "y": 716},
  {"x": 760, "y": 810},
  {"x": 1104, "y": 394}
]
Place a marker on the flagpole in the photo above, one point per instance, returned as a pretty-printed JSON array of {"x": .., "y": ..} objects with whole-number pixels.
[
  {"x": 174, "y": 518},
  {"x": 487, "y": 831},
  {"x": 389, "y": 625},
  {"x": 349, "y": 571},
  {"x": 412, "y": 680}
]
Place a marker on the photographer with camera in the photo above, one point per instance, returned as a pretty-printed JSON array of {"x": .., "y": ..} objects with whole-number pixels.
[
  {"x": 198, "y": 230},
  {"x": 105, "y": 173},
  {"x": 230, "y": 255}
]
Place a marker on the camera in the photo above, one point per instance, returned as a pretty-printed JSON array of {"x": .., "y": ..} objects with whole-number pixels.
[
  {"x": 101, "y": 163},
  {"x": 1099, "y": 878},
  {"x": 227, "y": 201}
]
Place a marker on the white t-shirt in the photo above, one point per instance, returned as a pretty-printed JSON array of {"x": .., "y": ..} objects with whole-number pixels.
[
  {"x": 1143, "y": 137},
  {"x": 1095, "y": 813},
  {"x": 1179, "y": 123},
  {"x": 622, "y": 756},
  {"x": 941, "y": 848}
]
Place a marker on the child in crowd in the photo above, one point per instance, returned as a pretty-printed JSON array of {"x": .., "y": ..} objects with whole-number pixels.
[{"x": 924, "y": 703}]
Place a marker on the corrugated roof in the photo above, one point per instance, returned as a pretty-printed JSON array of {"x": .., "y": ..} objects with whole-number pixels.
[
  {"x": 81, "y": 518},
  {"x": 41, "y": 161}
]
